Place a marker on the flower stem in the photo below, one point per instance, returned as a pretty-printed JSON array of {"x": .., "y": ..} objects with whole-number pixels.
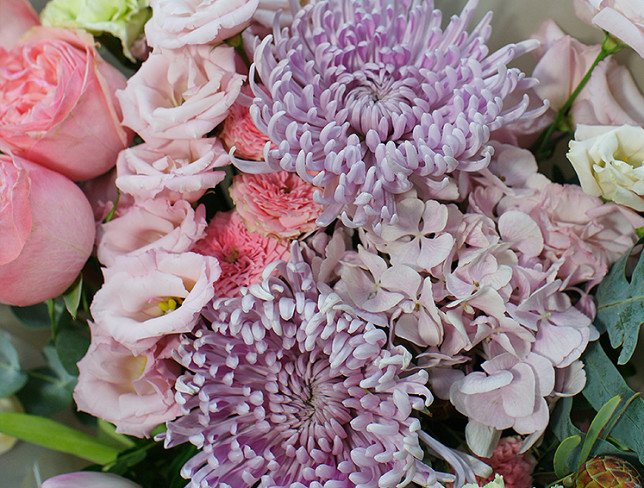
[{"x": 543, "y": 149}]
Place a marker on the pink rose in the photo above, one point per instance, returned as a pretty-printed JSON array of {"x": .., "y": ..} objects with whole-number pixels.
[
  {"x": 152, "y": 295},
  {"x": 22, "y": 18},
  {"x": 277, "y": 204},
  {"x": 181, "y": 94},
  {"x": 241, "y": 133},
  {"x": 623, "y": 19},
  {"x": 47, "y": 231},
  {"x": 131, "y": 390},
  {"x": 176, "y": 170},
  {"x": 155, "y": 224},
  {"x": 57, "y": 104},
  {"x": 177, "y": 24},
  {"x": 85, "y": 479},
  {"x": 268, "y": 9}
]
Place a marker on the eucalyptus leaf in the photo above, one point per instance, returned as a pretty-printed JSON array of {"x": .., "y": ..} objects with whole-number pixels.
[
  {"x": 35, "y": 316},
  {"x": 58, "y": 437},
  {"x": 603, "y": 417},
  {"x": 72, "y": 297},
  {"x": 71, "y": 345},
  {"x": 12, "y": 377},
  {"x": 620, "y": 306},
  {"x": 563, "y": 453}
]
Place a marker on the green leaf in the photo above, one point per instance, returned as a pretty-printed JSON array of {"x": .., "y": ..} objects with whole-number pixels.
[
  {"x": 49, "y": 389},
  {"x": 562, "y": 455},
  {"x": 620, "y": 307},
  {"x": 107, "y": 433},
  {"x": 58, "y": 437},
  {"x": 72, "y": 297},
  {"x": 602, "y": 418},
  {"x": 603, "y": 382},
  {"x": 71, "y": 345},
  {"x": 12, "y": 377},
  {"x": 35, "y": 316}
]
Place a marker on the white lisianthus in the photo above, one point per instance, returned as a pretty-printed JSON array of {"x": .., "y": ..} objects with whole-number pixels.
[
  {"x": 609, "y": 162},
  {"x": 496, "y": 483},
  {"x": 10, "y": 404}
]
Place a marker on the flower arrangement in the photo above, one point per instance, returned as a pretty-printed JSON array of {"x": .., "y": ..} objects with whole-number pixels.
[{"x": 317, "y": 244}]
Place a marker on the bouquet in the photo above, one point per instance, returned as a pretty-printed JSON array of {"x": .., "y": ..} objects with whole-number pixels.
[{"x": 323, "y": 244}]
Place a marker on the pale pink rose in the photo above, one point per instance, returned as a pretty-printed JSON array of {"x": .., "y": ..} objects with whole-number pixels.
[
  {"x": 508, "y": 461},
  {"x": 268, "y": 9},
  {"x": 152, "y": 295},
  {"x": 132, "y": 390},
  {"x": 241, "y": 133},
  {"x": 277, "y": 204},
  {"x": 623, "y": 19},
  {"x": 57, "y": 104},
  {"x": 181, "y": 94},
  {"x": 176, "y": 170},
  {"x": 242, "y": 255},
  {"x": 85, "y": 479},
  {"x": 155, "y": 224},
  {"x": 175, "y": 24},
  {"x": 47, "y": 231},
  {"x": 18, "y": 17}
]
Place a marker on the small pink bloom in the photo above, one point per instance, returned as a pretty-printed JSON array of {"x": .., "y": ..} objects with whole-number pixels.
[
  {"x": 242, "y": 255},
  {"x": 507, "y": 461},
  {"x": 277, "y": 204},
  {"x": 86, "y": 479},
  {"x": 19, "y": 16},
  {"x": 152, "y": 295},
  {"x": 175, "y": 25},
  {"x": 134, "y": 391},
  {"x": 47, "y": 231},
  {"x": 155, "y": 224},
  {"x": 176, "y": 170},
  {"x": 57, "y": 104},
  {"x": 181, "y": 94},
  {"x": 241, "y": 133}
]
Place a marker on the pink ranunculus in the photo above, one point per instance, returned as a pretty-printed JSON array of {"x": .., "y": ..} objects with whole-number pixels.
[
  {"x": 241, "y": 133},
  {"x": 177, "y": 24},
  {"x": 176, "y": 170},
  {"x": 86, "y": 479},
  {"x": 277, "y": 204},
  {"x": 18, "y": 17},
  {"x": 152, "y": 295},
  {"x": 623, "y": 19},
  {"x": 155, "y": 224},
  {"x": 243, "y": 255},
  {"x": 57, "y": 104},
  {"x": 508, "y": 461},
  {"x": 133, "y": 390},
  {"x": 47, "y": 231},
  {"x": 181, "y": 94}
]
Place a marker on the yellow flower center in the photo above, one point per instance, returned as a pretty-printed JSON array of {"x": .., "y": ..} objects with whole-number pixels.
[{"x": 170, "y": 304}]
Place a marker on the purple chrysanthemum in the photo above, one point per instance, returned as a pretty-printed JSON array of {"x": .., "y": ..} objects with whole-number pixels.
[
  {"x": 369, "y": 98},
  {"x": 288, "y": 388}
]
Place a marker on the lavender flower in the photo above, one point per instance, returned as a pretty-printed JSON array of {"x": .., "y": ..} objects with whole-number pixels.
[
  {"x": 288, "y": 388},
  {"x": 367, "y": 99}
]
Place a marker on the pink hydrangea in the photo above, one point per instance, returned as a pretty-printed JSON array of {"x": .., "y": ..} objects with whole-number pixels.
[
  {"x": 277, "y": 204},
  {"x": 241, "y": 133},
  {"x": 242, "y": 254},
  {"x": 507, "y": 460}
]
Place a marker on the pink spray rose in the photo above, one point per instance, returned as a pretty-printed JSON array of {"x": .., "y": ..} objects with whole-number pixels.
[
  {"x": 176, "y": 170},
  {"x": 57, "y": 104},
  {"x": 18, "y": 17},
  {"x": 507, "y": 461},
  {"x": 155, "y": 224},
  {"x": 131, "y": 390},
  {"x": 277, "y": 204},
  {"x": 181, "y": 94},
  {"x": 177, "y": 24},
  {"x": 243, "y": 255},
  {"x": 85, "y": 479},
  {"x": 47, "y": 231},
  {"x": 241, "y": 133},
  {"x": 152, "y": 295},
  {"x": 623, "y": 19}
]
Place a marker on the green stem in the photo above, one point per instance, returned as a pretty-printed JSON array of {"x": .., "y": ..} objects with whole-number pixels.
[{"x": 543, "y": 148}]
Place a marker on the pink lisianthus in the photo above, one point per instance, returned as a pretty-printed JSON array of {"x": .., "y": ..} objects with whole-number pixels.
[
  {"x": 131, "y": 390},
  {"x": 175, "y": 25},
  {"x": 152, "y": 295},
  {"x": 57, "y": 104},
  {"x": 86, "y": 479},
  {"x": 277, "y": 204},
  {"x": 181, "y": 94},
  {"x": 508, "y": 461},
  {"x": 242, "y": 255},
  {"x": 241, "y": 133},
  {"x": 103, "y": 194},
  {"x": 47, "y": 230},
  {"x": 155, "y": 224},
  {"x": 19, "y": 16},
  {"x": 176, "y": 170}
]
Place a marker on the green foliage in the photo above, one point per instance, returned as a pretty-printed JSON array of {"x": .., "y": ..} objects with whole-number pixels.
[
  {"x": 12, "y": 377},
  {"x": 72, "y": 297},
  {"x": 603, "y": 417},
  {"x": 562, "y": 455},
  {"x": 35, "y": 317},
  {"x": 620, "y": 307}
]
